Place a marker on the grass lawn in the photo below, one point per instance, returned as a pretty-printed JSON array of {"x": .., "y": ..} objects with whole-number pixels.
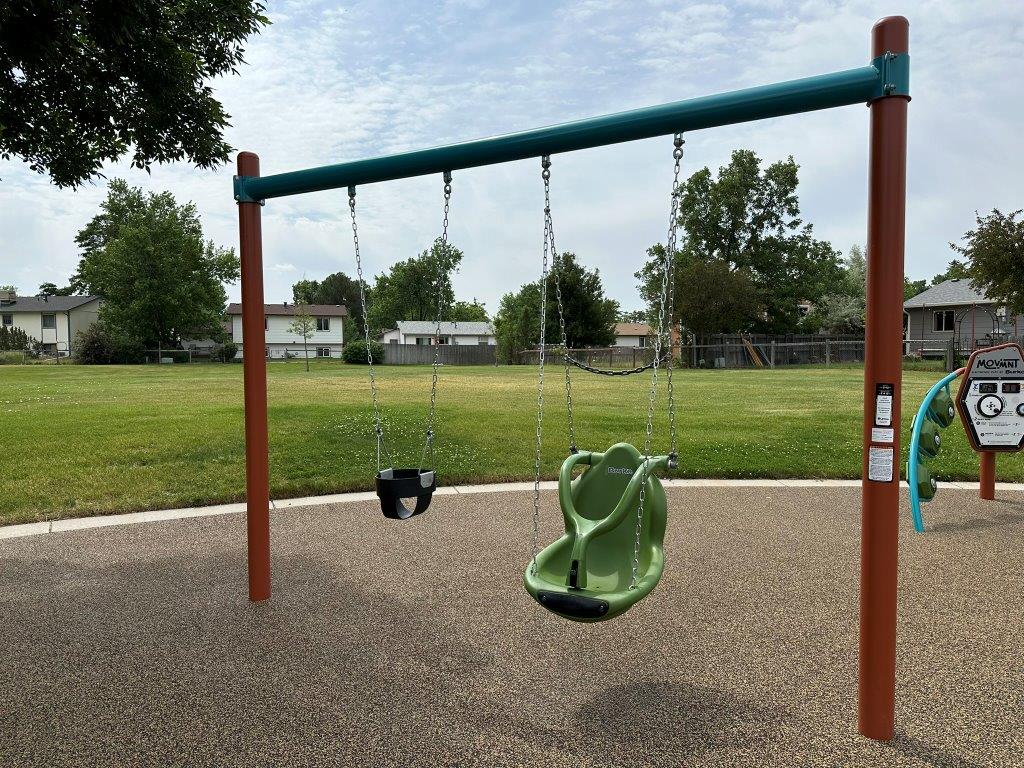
[{"x": 81, "y": 440}]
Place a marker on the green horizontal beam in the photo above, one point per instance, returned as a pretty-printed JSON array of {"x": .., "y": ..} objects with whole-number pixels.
[{"x": 886, "y": 76}]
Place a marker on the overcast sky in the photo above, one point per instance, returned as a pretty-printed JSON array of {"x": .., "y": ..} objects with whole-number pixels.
[{"x": 330, "y": 82}]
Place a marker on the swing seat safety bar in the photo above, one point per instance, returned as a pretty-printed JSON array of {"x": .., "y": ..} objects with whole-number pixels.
[{"x": 887, "y": 75}]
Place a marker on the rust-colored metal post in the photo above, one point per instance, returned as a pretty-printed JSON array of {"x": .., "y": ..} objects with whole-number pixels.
[
  {"x": 882, "y": 375},
  {"x": 987, "y": 475},
  {"x": 257, "y": 456}
]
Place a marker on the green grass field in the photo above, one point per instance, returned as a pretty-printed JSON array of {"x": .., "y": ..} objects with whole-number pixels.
[{"x": 83, "y": 440}]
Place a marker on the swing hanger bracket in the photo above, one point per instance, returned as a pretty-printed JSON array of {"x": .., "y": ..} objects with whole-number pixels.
[
  {"x": 241, "y": 194},
  {"x": 894, "y": 75}
]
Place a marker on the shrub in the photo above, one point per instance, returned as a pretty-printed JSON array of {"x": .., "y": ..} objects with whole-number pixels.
[
  {"x": 100, "y": 345},
  {"x": 226, "y": 352},
  {"x": 355, "y": 352},
  {"x": 14, "y": 339},
  {"x": 11, "y": 357}
]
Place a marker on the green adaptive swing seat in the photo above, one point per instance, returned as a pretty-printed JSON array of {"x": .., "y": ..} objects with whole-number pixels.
[{"x": 586, "y": 574}]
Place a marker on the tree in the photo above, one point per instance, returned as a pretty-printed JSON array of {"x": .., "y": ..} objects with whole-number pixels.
[
  {"x": 82, "y": 84},
  {"x": 468, "y": 312},
  {"x": 748, "y": 220},
  {"x": 913, "y": 287},
  {"x": 9, "y": 287},
  {"x": 336, "y": 288},
  {"x": 409, "y": 290},
  {"x": 589, "y": 315},
  {"x": 956, "y": 270},
  {"x": 636, "y": 316},
  {"x": 842, "y": 310},
  {"x": 709, "y": 296},
  {"x": 51, "y": 289},
  {"x": 146, "y": 256},
  {"x": 995, "y": 252},
  {"x": 303, "y": 325}
]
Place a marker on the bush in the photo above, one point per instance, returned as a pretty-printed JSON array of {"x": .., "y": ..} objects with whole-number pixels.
[
  {"x": 355, "y": 352},
  {"x": 14, "y": 339},
  {"x": 100, "y": 345},
  {"x": 226, "y": 352},
  {"x": 11, "y": 357}
]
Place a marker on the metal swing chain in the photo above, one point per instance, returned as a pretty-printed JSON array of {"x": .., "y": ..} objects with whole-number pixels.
[
  {"x": 556, "y": 262},
  {"x": 442, "y": 282},
  {"x": 671, "y": 240},
  {"x": 546, "y": 175},
  {"x": 669, "y": 260},
  {"x": 378, "y": 424}
]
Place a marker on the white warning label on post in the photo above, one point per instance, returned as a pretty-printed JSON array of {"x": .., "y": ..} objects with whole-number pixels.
[
  {"x": 881, "y": 435},
  {"x": 880, "y": 464},
  {"x": 883, "y": 404}
]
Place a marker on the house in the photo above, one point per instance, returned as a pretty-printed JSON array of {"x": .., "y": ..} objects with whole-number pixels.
[
  {"x": 54, "y": 321},
  {"x": 633, "y": 334},
  {"x": 423, "y": 332},
  {"x": 953, "y": 309},
  {"x": 281, "y": 342}
]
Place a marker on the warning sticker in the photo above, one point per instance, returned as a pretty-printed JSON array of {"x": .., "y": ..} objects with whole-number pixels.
[
  {"x": 880, "y": 464},
  {"x": 883, "y": 404},
  {"x": 881, "y": 435}
]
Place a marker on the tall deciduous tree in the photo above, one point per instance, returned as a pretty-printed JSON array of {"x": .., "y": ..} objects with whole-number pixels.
[
  {"x": 955, "y": 270},
  {"x": 468, "y": 311},
  {"x": 409, "y": 290},
  {"x": 146, "y": 256},
  {"x": 84, "y": 83},
  {"x": 747, "y": 220},
  {"x": 995, "y": 251},
  {"x": 336, "y": 288},
  {"x": 589, "y": 315}
]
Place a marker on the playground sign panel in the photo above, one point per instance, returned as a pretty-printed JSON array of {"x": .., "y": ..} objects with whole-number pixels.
[{"x": 991, "y": 400}]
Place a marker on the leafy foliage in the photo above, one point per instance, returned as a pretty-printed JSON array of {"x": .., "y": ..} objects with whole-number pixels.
[
  {"x": 842, "y": 309},
  {"x": 955, "y": 270},
  {"x": 103, "y": 344},
  {"x": 468, "y": 312},
  {"x": 226, "y": 352},
  {"x": 15, "y": 339},
  {"x": 747, "y": 221},
  {"x": 161, "y": 282},
  {"x": 355, "y": 352},
  {"x": 995, "y": 252},
  {"x": 82, "y": 84},
  {"x": 51, "y": 289},
  {"x": 336, "y": 288},
  {"x": 409, "y": 291},
  {"x": 589, "y": 316},
  {"x": 303, "y": 324}
]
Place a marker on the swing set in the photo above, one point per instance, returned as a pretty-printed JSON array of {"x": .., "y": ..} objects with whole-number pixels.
[{"x": 615, "y": 512}]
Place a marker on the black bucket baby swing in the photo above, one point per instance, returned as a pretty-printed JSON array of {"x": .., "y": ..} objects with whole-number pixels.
[
  {"x": 610, "y": 556},
  {"x": 405, "y": 491}
]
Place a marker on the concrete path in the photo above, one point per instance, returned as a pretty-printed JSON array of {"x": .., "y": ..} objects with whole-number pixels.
[{"x": 414, "y": 644}]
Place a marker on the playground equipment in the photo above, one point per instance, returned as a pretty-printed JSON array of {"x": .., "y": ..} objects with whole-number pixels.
[
  {"x": 883, "y": 84},
  {"x": 605, "y": 562},
  {"x": 393, "y": 485},
  {"x": 991, "y": 408}
]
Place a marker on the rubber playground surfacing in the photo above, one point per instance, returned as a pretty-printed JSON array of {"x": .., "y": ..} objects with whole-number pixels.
[{"x": 414, "y": 643}]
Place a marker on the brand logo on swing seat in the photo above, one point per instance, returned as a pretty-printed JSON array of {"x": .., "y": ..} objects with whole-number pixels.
[{"x": 620, "y": 471}]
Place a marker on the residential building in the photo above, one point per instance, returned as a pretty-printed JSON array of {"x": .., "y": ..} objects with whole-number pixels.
[
  {"x": 953, "y": 309},
  {"x": 282, "y": 343},
  {"x": 53, "y": 321},
  {"x": 424, "y": 332},
  {"x": 633, "y": 335}
]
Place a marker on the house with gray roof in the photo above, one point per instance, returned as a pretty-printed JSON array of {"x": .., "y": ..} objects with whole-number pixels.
[
  {"x": 53, "y": 321},
  {"x": 424, "y": 332},
  {"x": 281, "y": 342},
  {"x": 954, "y": 310}
]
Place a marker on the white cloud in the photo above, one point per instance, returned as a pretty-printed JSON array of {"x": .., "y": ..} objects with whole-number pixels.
[{"x": 327, "y": 84}]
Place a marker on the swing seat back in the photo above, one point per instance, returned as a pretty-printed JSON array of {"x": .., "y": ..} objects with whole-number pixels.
[
  {"x": 396, "y": 485},
  {"x": 586, "y": 574}
]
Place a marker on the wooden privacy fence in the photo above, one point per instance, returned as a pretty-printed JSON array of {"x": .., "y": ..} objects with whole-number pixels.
[
  {"x": 449, "y": 354},
  {"x": 613, "y": 358}
]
